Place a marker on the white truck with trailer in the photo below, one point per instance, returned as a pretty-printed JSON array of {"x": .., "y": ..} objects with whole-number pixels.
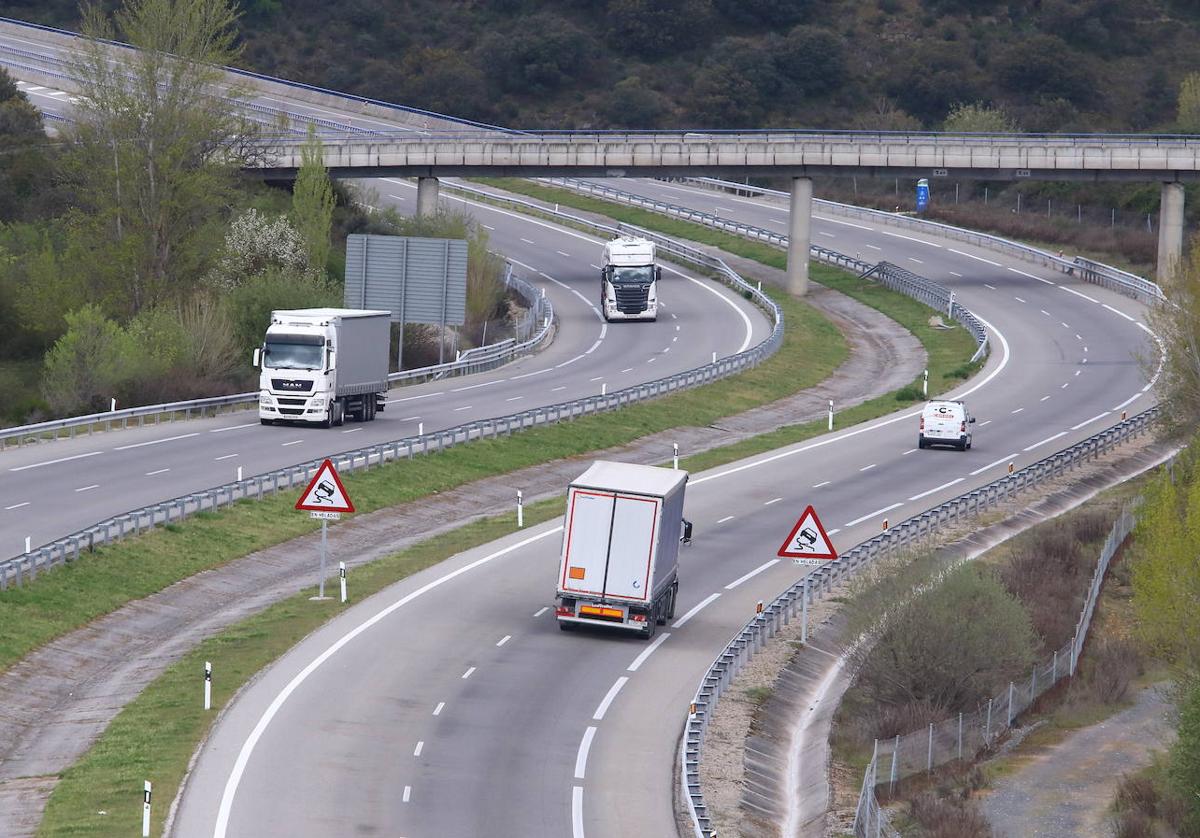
[
  {"x": 629, "y": 280},
  {"x": 620, "y": 548},
  {"x": 321, "y": 365}
]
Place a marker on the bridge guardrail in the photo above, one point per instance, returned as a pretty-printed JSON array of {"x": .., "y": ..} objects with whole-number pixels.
[
  {"x": 472, "y": 361},
  {"x": 1091, "y": 271},
  {"x": 69, "y": 548},
  {"x": 908, "y": 534}
]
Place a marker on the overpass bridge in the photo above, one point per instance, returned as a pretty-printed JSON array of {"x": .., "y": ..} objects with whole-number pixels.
[{"x": 363, "y": 138}]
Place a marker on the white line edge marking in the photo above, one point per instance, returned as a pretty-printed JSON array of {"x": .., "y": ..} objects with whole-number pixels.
[
  {"x": 1078, "y": 294},
  {"x": 437, "y": 711},
  {"x": 903, "y": 417},
  {"x": 695, "y": 610},
  {"x": 155, "y": 441},
  {"x": 470, "y": 671},
  {"x": 243, "y": 757},
  {"x": 585, "y": 745},
  {"x": 1031, "y": 276},
  {"x": 609, "y": 697},
  {"x": 1118, "y": 311},
  {"x": 234, "y": 428},
  {"x": 726, "y": 518},
  {"x": 815, "y": 486},
  {"x": 59, "y": 460},
  {"x": 998, "y": 462},
  {"x": 503, "y": 640},
  {"x": 945, "y": 485},
  {"x": 541, "y": 611},
  {"x": 870, "y": 515},
  {"x": 1095, "y": 418},
  {"x": 407, "y": 794},
  {"x": 577, "y": 812},
  {"x": 88, "y": 488},
  {"x": 420, "y": 747},
  {"x": 16, "y": 505},
  {"x": 224, "y": 457},
  {"x": 772, "y": 500},
  {"x": 1044, "y": 441},
  {"x": 976, "y": 258},
  {"x": 645, "y": 653},
  {"x": 157, "y": 471},
  {"x": 751, "y": 574},
  {"x": 745, "y": 319},
  {"x": 1128, "y": 401}
]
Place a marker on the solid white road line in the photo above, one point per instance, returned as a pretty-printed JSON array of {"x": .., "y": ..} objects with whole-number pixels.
[
  {"x": 772, "y": 500},
  {"x": 910, "y": 238},
  {"x": 868, "y": 468},
  {"x": 351, "y": 430},
  {"x": 870, "y": 515},
  {"x": 645, "y": 653},
  {"x": 16, "y": 506},
  {"x": 602, "y": 708},
  {"x": 946, "y": 485},
  {"x": 751, "y": 574},
  {"x": 585, "y": 745},
  {"x": 541, "y": 611},
  {"x": 293, "y": 442},
  {"x": 437, "y": 711},
  {"x": 1078, "y": 294},
  {"x": 224, "y": 457},
  {"x": 247, "y": 749},
  {"x": 909, "y": 451},
  {"x": 845, "y": 224},
  {"x": 531, "y": 374},
  {"x": 155, "y": 441},
  {"x": 726, "y": 518},
  {"x": 695, "y": 610},
  {"x": 158, "y": 471},
  {"x": 1018, "y": 299},
  {"x": 1118, "y": 311},
  {"x": 504, "y": 640},
  {"x": 417, "y": 750},
  {"x": 88, "y": 488},
  {"x": 475, "y": 386},
  {"x": 1031, "y": 276},
  {"x": 577, "y": 812},
  {"x": 1006, "y": 459},
  {"x": 59, "y": 460},
  {"x": 407, "y": 794},
  {"x": 976, "y": 258},
  {"x": 1044, "y": 441},
  {"x": 414, "y": 398},
  {"x": 468, "y": 673},
  {"x": 1128, "y": 401},
  {"x": 1095, "y": 418},
  {"x": 822, "y": 483}
]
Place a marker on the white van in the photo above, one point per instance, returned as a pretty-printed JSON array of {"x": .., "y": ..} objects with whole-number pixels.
[{"x": 945, "y": 423}]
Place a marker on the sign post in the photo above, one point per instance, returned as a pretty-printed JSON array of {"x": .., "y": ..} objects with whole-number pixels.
[
  {"x": 922, "y": 194},
  {"x": 325, "y": 498}
]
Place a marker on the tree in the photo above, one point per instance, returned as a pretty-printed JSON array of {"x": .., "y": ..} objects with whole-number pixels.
[
  {"x": 1189, "y": 104},
  {"x": 255, "y": 244},
  {"x": 156, "y": 145},
  {"x": 24, "y": 162},
  {"x": 313, "y": 201},
  {"x": 1184, "y": 770},
  {"x": 978, "y": 118},
  {"x": 653, "y": 29},
  {"x": 83, "y": 368},
  {"x": 911, "y": 662},
  {"x": 1178, "y": 327}
]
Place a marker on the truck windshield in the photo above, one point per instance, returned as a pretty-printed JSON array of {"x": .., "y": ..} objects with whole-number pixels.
[
  {"x": 642, "y": 273},
  {"x": 282, "y": 355}
]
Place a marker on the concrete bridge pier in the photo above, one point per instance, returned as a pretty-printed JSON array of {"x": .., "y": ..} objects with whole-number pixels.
[
  {"x": 427, "y": 196},
  {"x": 799, "y": 236},
  {"x": 1170, "y": 231}
]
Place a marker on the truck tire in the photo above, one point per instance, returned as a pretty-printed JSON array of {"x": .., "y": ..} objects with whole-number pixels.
[
  {"x": 671, "y": 604},
  {"x": 339, "y": 411},
  {"x": 331, "y": 416},
  {"x": 266, "y": 421},
  {"x": 651, "y": 624},
  {"x": 565, "y": 626}
]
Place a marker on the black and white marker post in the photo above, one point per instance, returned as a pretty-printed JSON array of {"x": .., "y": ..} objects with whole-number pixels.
[
  {"x": 146, "y": 810},
  {"x": 675, "y": 456},
  {"x": 207, "y": 685},
  {"x": 925, "y": 384},
  {"x": 520, "y": 510},
  {"x": 342, "y": 578}
]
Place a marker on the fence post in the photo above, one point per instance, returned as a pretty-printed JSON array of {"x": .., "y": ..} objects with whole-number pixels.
[
  {"x": 960, "y": 715},
  {"x": 895, "y": 755},
  {"x": 987, "y": 731},
  {"x": 1054, "y": 668},
  {"x": 1010, "y": 701},
  {"x": 929, "y": 757}
]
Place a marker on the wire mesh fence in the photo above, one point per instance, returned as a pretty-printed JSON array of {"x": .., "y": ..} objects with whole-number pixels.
[{"x": 966, "y": 735}]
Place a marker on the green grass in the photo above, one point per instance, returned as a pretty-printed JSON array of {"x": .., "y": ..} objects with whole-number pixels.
[{"x": 154, "y": 736}]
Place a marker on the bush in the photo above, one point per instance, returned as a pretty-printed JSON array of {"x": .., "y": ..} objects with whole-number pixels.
[
  {"x": 1114, "y": 663},
  {"x": 1184, "y": 768},
  {"x": 948, "y": 818},
  {"x": 911, "y": 393}
]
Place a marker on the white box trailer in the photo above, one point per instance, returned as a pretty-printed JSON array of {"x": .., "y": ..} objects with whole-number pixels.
[{"x": 620, "y": 547}]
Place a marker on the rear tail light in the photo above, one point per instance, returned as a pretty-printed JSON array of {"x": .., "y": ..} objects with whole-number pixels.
[
  {"x": 922, "y": 423},
  {"x": 563, "y": 611},
  {"x": 637, "y": 618},
  {"x": 962, "y": 428}
]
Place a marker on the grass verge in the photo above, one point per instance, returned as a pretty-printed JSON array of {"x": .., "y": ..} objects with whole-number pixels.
[
  {"x": 108, "y": 777},
  {"x": 154, "y": 736}
]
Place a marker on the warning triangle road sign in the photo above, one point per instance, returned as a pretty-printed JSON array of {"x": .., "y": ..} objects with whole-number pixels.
[
  {"x": 325, "y": 492},
  {"x": 808, "y": 539}
]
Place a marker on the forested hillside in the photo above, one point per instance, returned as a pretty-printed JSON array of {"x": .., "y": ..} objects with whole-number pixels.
[{"x": 1051, "y": 65}]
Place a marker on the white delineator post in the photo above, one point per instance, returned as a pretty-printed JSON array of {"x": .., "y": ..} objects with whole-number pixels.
[
  {"x": 208, "y": 685},
  {"x": 28, "y": 546},
  {"x": 520, "y": 509},
  {"x": 420, "y": 429},
  {"x": 831, "y": 414},
  {"x": 674, "y": 456},
  {"x": 146, "y": 810},
  {"x": 239, "y": 474},
  {"x": 604, "y": 388},
  {"x": 112, "y": 406},
  {"x": 925, "y": 384},
  {"x": 342, "y": 578}
]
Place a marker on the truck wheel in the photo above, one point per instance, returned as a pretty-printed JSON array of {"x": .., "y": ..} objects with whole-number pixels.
[
  {"x": 330, "y": 417},
  {"x": 266, "y": 421},
  {"x": 671, "y": 604},
  {"x": 339, "y": 411},
  {"x": 369, "y": 406},
  {"x": 565, "y": 626}
]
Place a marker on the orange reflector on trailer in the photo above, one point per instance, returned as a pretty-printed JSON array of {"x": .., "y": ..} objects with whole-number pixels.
[
  {"x": 576, "y": 573},
  {"x": 594, "y": 611}
]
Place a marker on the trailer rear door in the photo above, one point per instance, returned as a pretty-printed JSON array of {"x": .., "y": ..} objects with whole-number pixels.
[
  {"x": 585, "y": 546},
  {"x": 631, "y": 549}
]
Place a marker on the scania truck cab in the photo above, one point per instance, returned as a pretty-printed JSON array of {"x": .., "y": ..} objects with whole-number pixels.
[{"x": 629, "y": 280}]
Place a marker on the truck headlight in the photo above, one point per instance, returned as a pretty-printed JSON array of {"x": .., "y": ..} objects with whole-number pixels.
[
  {"x": 318, "y": 402},
  {"x": 264, "y": 400}
]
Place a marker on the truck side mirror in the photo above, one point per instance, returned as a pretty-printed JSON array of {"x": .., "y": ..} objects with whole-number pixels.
[
  {"x": 328, "y": 360},
  {"x": 257, "y": 357},
  {"x": 687, "y": 532},
  {"x": 658, "y": 274},
  {"x": 972, "y": 420}
]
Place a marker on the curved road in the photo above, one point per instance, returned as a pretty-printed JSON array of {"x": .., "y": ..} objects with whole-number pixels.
[{"x": 450, "y": 705}]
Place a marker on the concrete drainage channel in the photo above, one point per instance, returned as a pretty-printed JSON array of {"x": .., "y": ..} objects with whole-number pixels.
[{"x": 914, "y": 532}]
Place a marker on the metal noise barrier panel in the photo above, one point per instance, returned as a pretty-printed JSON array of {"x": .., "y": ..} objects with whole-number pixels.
[
  {"x": 911, "y": 533},
  {"x": 69, "y": 548}
]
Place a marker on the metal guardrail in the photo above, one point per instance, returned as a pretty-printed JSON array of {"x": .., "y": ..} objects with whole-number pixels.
[
  {"x": 970, "y": 733},
  {"x": 891, "y": 276},
  {"x": 472, "y": 361},
  {"x": 907, "y": 535},
  {"x": 1091, "y": 271},
  {"x": 71, "y": 547}
]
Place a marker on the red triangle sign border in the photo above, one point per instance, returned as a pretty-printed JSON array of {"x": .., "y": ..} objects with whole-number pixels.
[
  {"x": 830, "y": 552},
  {"x": 327, "y": 465}
]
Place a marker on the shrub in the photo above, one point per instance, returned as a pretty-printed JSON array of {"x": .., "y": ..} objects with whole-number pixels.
[{"x": 948, "y": 818}]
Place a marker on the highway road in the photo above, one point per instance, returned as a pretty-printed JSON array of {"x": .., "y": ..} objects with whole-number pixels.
[
  {"x": 450, "y": 705},
  {"x": 485, "y": 719}
]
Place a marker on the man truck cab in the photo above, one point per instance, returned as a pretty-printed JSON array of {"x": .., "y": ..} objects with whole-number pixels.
[{"x": 945, "y": 423}]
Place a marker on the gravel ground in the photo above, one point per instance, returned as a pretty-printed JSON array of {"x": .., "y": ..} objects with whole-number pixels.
[
  {"x": 1066, "y": 789},
  {"x": 59, "y": 699}
]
